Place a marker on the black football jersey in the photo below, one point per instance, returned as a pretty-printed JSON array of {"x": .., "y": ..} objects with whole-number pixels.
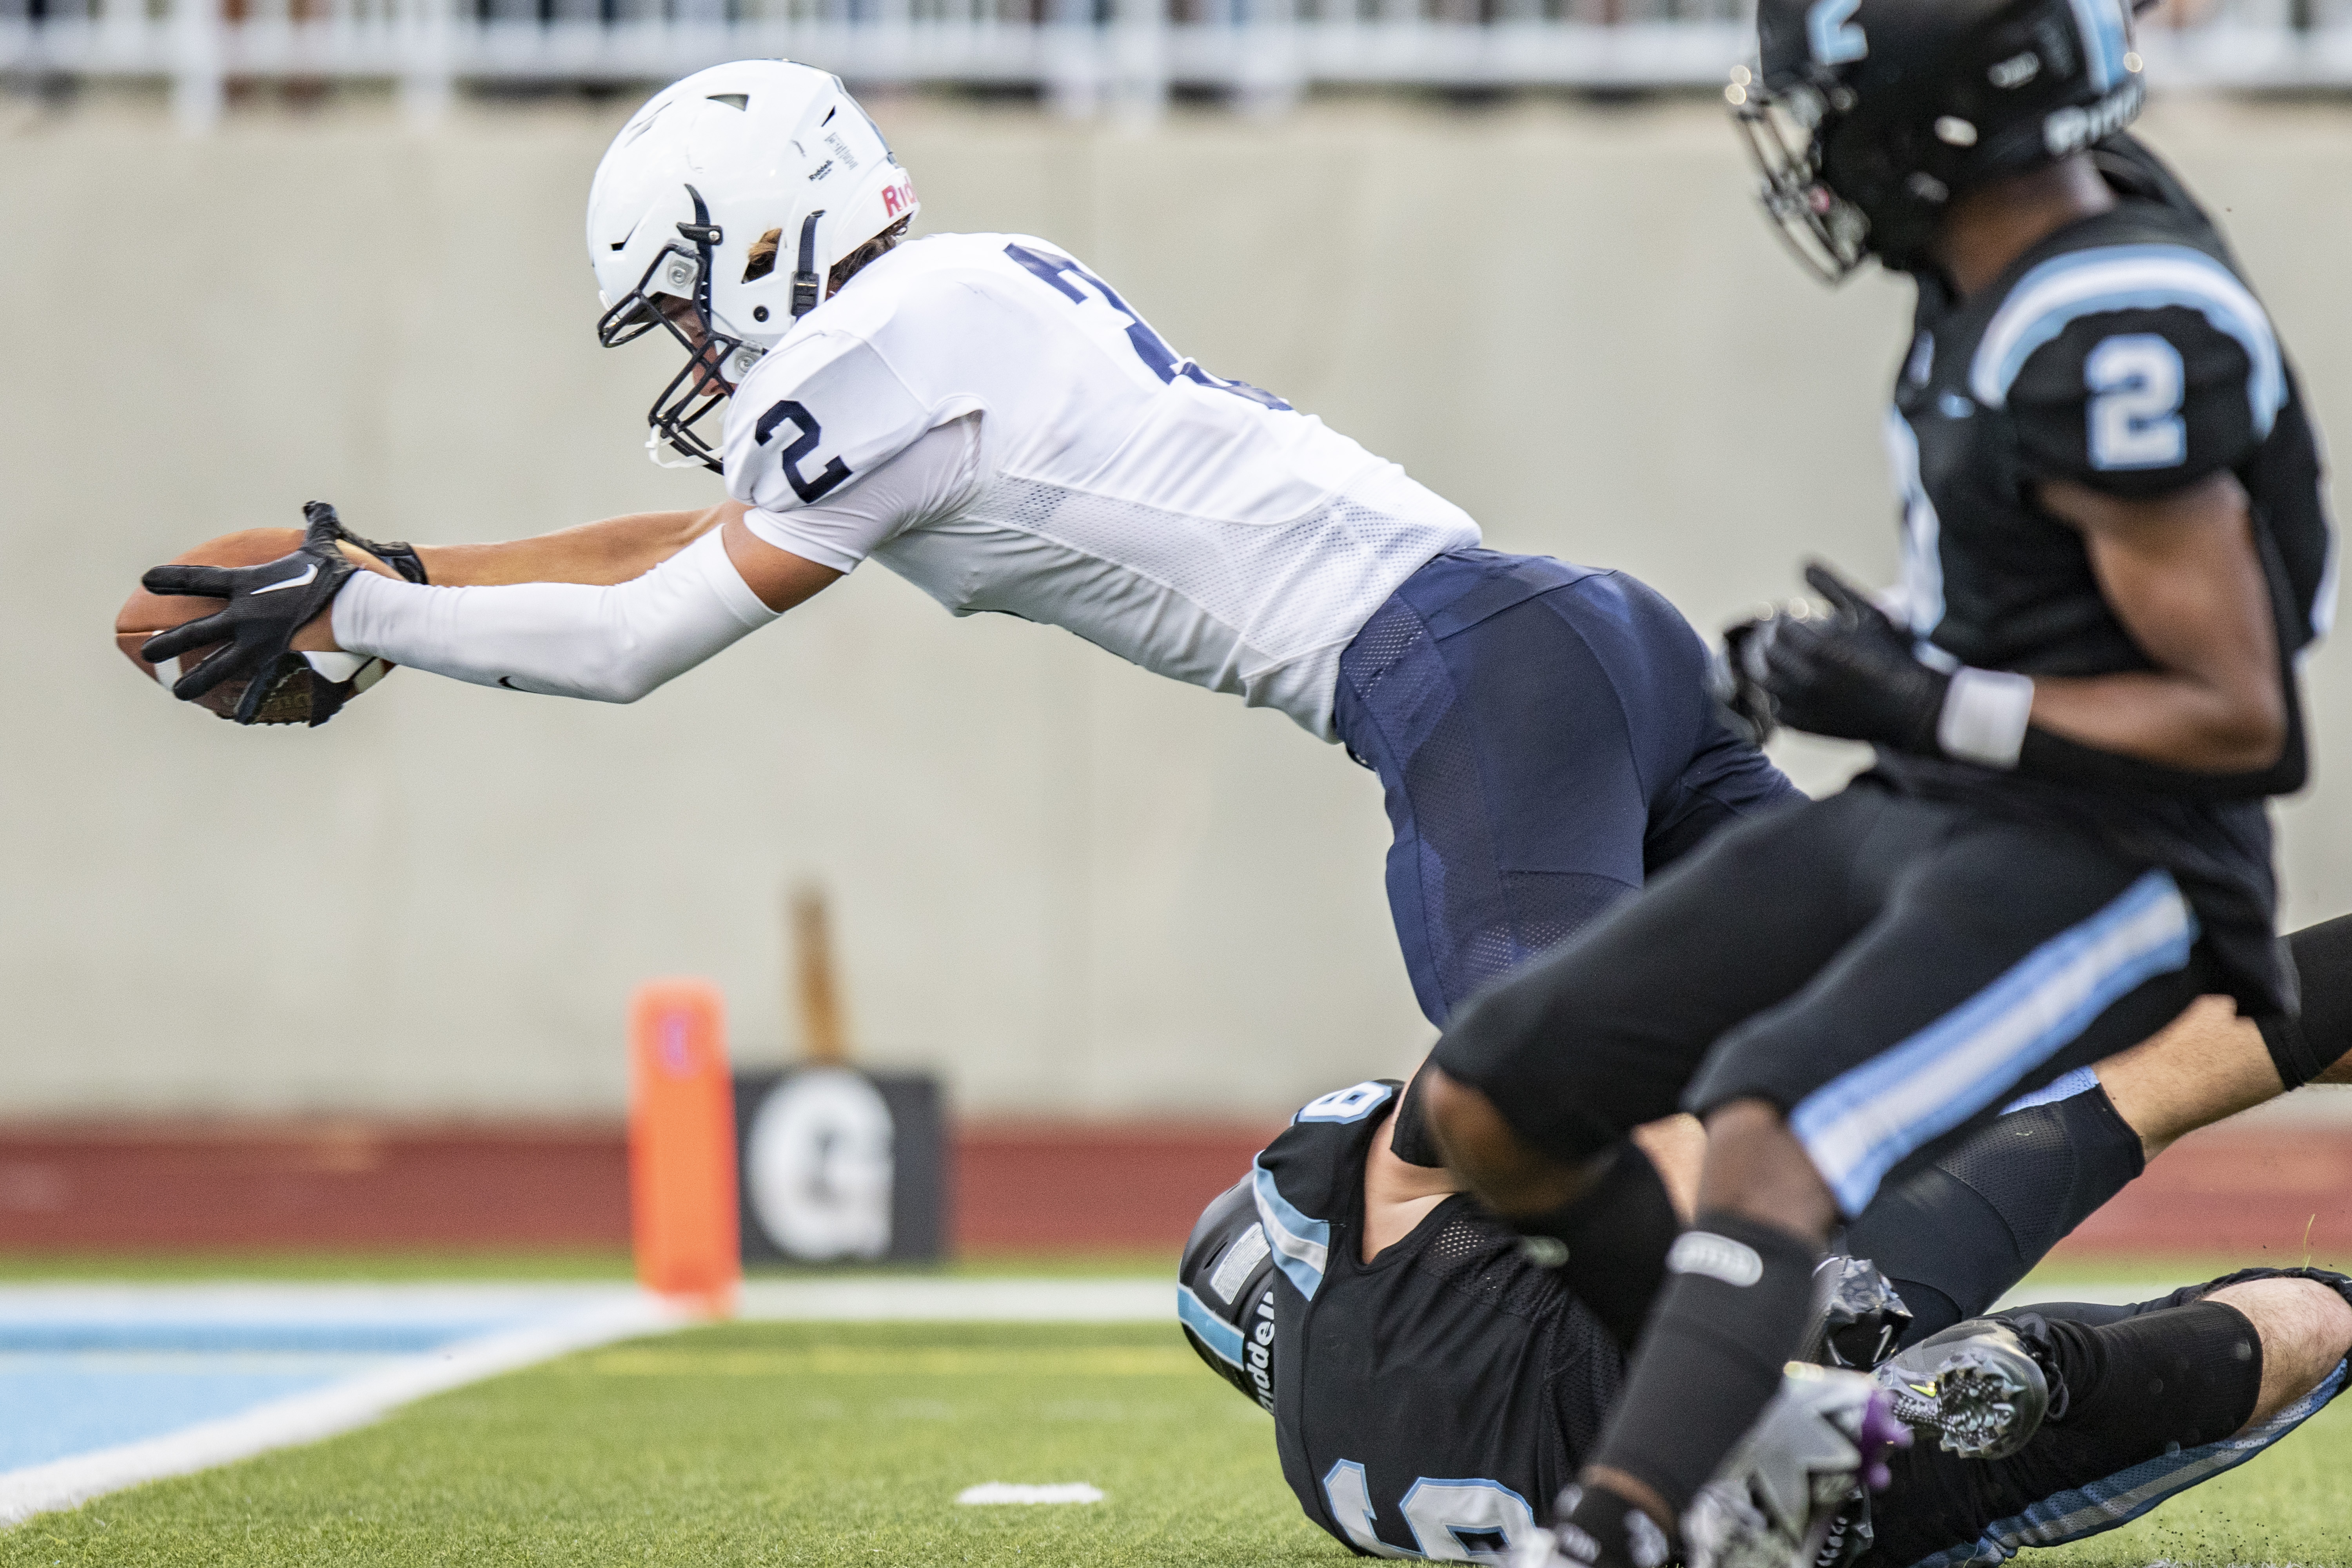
[
  {"x": 2125, "y": 354},
  {"x": 1434, "y": 1401}
]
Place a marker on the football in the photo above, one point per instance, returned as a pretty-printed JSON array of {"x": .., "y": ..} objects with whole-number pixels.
[{"x": 332, "y": 678}]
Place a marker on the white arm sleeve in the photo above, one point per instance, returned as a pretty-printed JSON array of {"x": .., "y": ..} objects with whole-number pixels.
[{"x": 560, "y": 640}]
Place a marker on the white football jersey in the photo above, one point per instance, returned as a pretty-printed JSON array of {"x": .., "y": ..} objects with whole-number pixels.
[{"x": 988, "y": 419}]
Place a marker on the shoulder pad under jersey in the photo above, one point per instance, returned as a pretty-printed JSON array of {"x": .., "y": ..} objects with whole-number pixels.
[{"x": 2135, "y": 369}]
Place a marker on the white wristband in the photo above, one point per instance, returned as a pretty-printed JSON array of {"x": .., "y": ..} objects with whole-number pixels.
[{"x": 1985, "y": 715}]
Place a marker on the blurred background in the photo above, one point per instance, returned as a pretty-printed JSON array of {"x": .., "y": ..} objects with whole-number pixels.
[{"x": 366, "y": 987}]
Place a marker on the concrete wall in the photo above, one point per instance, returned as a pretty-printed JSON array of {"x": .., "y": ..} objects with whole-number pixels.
[{"x": 1074, "y": 887}]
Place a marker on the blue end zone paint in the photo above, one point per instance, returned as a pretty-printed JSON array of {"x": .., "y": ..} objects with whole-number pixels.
[
  {"x": 217, "y": 1337},
  {"x": 75, "y": 1379},
  {"x": 55, "y": 1405}
]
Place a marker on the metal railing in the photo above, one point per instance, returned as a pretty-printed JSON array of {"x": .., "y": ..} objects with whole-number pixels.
[{"x": 1083, "y": 56}]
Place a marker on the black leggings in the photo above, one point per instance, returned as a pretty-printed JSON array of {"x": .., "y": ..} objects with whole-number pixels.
[{"x": 1888, "y": 971}]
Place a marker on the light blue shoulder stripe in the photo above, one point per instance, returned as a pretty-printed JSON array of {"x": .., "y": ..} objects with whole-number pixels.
[
  {"x": 2062, "y": 290},
  {"x": 2119, "y": 1499},
  {"x": 1302, "y": 1244},
  {"x": 1216, "y": 1333}
]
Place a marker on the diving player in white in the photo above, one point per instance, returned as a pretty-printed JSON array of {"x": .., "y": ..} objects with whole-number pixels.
[{"x": 987, "y": 418}]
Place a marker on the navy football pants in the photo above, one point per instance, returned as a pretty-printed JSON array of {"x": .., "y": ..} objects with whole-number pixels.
[{"x": 1545, "y": 741}]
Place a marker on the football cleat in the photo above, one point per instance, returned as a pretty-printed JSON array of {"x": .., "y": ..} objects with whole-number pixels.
[
  {"x": 1858, "y": 1315},
  {"x": 1974, "y": 1385},
  {"x": 1823, "y": 1440}
]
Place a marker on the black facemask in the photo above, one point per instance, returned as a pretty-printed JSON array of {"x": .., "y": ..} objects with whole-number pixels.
[
  {"x": 1828, "y": 235},
  {"x": 698, "y": 388}
]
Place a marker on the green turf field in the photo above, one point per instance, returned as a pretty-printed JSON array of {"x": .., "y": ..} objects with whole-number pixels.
[{"x": 846, "y": 1445}]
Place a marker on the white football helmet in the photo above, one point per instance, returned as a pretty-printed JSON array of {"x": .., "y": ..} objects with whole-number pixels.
[{"x": 733, "y": 191}]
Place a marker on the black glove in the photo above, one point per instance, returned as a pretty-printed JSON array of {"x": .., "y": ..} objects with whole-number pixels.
[
  {"x": 266, "y": 606},
  {"x": 1731, "y": 678},
  {"x": 398, "y": 554},
  {"x": 1851, "y": 674}
]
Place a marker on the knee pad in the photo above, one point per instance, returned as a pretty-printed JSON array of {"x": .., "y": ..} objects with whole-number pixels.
[{"x": 1955, "y": 1237}]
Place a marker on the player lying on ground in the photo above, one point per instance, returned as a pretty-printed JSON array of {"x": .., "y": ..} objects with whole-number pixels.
[
  {"x": 987, "y": 418},
  {"x": 2114, "y": 546},
  {"x": 1433, "y": 1388}
]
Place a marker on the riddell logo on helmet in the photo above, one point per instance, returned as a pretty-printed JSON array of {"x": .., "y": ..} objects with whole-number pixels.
[
  {"x": 2070, "y": 130},
  {"x": 1260, "y": 1352},
  {"x": 897, "y": 198}
]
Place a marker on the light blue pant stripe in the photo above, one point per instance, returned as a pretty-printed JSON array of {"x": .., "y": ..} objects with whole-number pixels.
[
  {"x": 2066, "y": 1086},
  {"x": 1858, "y": 1126}
]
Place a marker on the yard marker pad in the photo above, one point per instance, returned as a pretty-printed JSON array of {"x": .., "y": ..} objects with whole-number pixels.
[{"x": 1010, "y": 1492}]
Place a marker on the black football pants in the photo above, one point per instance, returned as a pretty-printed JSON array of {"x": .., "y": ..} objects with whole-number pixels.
[{"x": 1886, "y": 970}]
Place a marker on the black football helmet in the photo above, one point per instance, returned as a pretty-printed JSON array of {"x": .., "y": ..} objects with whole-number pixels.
[
  {"x": 1224, "y": 1294},
  {"x": 1867, "y": 117}
]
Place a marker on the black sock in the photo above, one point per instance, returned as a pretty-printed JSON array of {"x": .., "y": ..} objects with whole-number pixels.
[
  {"x": 2303, "y": 1047},
  {"x": 1955, "y": 1237},
  {"x": 1738, "y": 1302},
  {"x": 1616, "y": 1236},
  {"x": 1600, "y": 1527},
  {"x": 2120, "y": 1392}
]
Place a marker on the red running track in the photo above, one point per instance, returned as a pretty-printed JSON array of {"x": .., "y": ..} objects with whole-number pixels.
[
  {"x": 346, "y": 1184},
  {"x": 1026, "y": 1188}
]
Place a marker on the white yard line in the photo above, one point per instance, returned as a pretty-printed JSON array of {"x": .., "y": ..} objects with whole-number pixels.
[
  {"x": 960, "y": 1301},
  {"x": 323, "y": 1413},
  {"x": 570, "y": 1319}
]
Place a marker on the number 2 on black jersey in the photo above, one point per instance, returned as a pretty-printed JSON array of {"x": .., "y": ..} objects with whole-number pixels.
[
  {"x": 834, "y": 469},
  {"x": 1150, "y": 346},
  {"x": 2136, "y": 414}
]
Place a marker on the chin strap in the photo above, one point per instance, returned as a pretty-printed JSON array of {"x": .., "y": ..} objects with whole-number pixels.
[{"x": 804, "y": 279}]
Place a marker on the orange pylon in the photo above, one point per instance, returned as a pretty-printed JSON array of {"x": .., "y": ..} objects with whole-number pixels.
[{"x": 682, "y": 1191}]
